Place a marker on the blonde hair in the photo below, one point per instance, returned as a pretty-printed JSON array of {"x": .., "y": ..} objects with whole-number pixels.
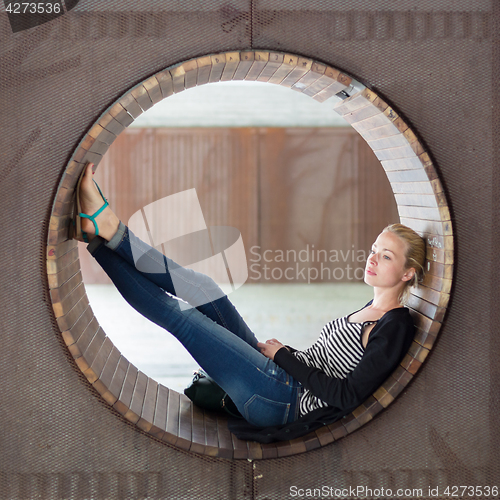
[{"x": 415, "y": 256}]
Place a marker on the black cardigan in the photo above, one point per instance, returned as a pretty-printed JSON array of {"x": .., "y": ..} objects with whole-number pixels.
[{"x": 388, "y": 342}]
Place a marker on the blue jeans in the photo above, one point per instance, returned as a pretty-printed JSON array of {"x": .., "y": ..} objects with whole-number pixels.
[{"x": 213, "y": 332}]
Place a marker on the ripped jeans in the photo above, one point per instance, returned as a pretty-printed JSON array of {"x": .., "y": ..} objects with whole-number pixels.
[{"x": 213, "y": 331}]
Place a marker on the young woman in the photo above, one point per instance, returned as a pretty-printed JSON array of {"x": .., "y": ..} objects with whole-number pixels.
[{"x": 282, "y": 393}]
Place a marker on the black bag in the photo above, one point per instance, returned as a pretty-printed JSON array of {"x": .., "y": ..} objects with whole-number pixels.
[{"x": 205, "y": 393}]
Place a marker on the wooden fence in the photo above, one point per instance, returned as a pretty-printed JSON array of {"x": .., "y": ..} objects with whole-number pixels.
[{"x": 308, "y": 202}]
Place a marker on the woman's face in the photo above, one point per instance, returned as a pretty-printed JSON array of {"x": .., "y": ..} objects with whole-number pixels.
[{"x": 385, "y": 266}]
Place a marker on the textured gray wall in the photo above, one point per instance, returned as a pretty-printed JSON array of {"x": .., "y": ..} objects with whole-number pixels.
[{"x": 432, "y": 60}]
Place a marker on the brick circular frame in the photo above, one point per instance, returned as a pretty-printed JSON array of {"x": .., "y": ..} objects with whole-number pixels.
[{"x": 162, "y": 412}]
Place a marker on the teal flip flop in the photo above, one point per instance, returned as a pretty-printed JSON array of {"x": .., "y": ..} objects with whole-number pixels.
[
  {"x": 76, "y": 227},
  {"x": 93, "y": 216}
]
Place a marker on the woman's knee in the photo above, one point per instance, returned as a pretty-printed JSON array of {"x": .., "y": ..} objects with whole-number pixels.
[{"x": 196, "y": 288}]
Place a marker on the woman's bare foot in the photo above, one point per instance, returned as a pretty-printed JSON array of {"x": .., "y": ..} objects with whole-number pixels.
[{"x": 91, "y": 201}]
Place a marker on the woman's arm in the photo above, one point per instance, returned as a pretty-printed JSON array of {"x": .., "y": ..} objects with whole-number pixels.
[{"x": 388, "y": 343}]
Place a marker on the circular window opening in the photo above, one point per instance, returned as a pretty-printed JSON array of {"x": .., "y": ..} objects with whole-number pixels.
[
  {"x": 294, "y": 184},
  {"x": 166, "y": 414}
]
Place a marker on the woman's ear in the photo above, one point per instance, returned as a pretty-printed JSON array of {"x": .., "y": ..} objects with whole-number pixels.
[{"x": 408, "y": 275}]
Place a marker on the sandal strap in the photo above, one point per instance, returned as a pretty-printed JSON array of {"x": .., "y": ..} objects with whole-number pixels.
[
  {"x": 100, "y": 192},
  {"x": 93, "y": 216}
]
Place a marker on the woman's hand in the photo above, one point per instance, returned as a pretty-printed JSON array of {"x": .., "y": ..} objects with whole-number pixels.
[{"x": 270, "y": 347}]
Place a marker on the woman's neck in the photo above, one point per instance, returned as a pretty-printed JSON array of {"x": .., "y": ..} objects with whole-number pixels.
[{"x": 385, "y": 299}]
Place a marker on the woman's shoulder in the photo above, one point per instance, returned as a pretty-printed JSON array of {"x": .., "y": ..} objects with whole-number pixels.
[
  {"x": 397, "y": 315},
  {"x": 402, "y": 313},
  {"x": 393, "y": 333},
  {"x": 396, "y": 321}
]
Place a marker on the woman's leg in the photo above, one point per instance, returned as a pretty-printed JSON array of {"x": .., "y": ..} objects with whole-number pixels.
[
  {"x": 263, "y": 392},
  {"x": 195, "y": 288}
]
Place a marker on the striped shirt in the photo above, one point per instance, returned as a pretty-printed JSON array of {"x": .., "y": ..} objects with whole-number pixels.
[{"x": 337, "y": 352}]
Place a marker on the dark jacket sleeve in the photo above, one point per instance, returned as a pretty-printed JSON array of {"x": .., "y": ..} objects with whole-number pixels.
[{"x": 388, "y": 342}]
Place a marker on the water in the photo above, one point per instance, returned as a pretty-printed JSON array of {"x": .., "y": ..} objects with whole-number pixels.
[{"x": 292, "y": 313}]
